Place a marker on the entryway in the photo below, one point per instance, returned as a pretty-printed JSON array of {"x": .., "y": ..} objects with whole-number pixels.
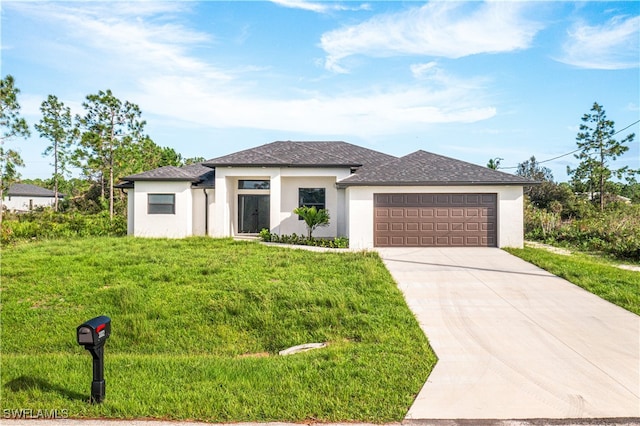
[{"x": 253, "y": 213}]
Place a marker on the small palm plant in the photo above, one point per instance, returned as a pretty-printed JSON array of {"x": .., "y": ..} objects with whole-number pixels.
[{"x": 313, "y": 218}]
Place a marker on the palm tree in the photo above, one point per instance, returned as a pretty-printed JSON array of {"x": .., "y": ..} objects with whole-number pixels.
[{"x": 313, "y": 217}]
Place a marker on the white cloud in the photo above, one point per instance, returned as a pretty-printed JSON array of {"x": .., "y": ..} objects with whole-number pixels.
[
  {"x": 126, "y": 36},
  {"x": 318, "y": 7},
  {"x": 156, "y": 59},
  {"x": 610, "y": 46},
  {"x": 384, "y": 112},
  {"x": 437, "y": 29}
]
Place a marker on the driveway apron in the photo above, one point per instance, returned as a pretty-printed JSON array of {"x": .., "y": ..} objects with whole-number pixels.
[{"x": 514, "y": 341}]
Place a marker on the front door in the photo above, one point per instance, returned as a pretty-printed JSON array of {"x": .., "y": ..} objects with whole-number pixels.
[{"x": 253, "y": 213}]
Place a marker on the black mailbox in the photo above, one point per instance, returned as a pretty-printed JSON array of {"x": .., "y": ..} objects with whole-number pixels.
[
  {"x": 95, "y": 331},
  {"x": 93, "y": 334}
]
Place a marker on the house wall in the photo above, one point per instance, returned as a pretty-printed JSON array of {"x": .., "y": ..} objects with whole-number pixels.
[
  {"x": 290, "y": 222},
  {"x": 131, "y": 208},
  {"x": 22, "y": 203},
  {"x": 360, "y": 212},
  {"x": 202, "y": 212},
  {"x": 283, "y": 197},
  {"x": 176, "y": 225}
]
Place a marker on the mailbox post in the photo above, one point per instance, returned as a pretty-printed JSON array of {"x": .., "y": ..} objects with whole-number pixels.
[{"x": 93, "y": 334}]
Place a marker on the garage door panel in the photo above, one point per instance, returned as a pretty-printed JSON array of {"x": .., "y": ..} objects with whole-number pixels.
[
  {"x": 427, "y": 212},
  {"x": 382, "y": 212},
  {"x": 397, "y": 241},
  {"x": 442, "y": 226},
  {"x": 427, "y": 226},
  {"x": 457, "y": 227},
  {"x": 457, "y": 219},
  {"x": 397, "y": 226},
  {"x": 381, "y": 226},
  {"x": 412, "y": 212}
]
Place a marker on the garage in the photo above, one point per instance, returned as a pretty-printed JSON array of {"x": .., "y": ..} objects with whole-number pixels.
[{"x": 435, "y": 220}]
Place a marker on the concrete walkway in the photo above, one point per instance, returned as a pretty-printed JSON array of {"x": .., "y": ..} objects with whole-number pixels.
[{"x": 515, "y": 342}]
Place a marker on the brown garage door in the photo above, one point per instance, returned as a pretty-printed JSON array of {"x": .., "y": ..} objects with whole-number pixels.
[{"x": 435, "y": 220}]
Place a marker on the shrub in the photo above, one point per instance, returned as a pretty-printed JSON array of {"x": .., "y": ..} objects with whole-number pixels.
[
  {"x": 47, "y": 224},
  {"x": 338, "y": 242},
  {"x": 615, "y": 231}
]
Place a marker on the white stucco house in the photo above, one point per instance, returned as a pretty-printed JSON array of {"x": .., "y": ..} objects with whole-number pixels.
[
  {"x": 22, "y": 197},
  {"x": 374, "y": 199}
]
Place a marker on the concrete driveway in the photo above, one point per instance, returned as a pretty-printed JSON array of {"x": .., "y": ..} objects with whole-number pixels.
[{"x": 515, "y": 342}]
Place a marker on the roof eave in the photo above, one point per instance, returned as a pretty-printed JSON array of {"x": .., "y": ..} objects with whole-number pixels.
[
  {"x": 288, "y": 165},
  {"x": 162, "y": 179},
  {"x": 460, "y": 183}
]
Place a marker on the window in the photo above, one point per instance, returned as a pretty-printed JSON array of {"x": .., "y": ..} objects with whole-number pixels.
[
  {"x": 161, "y": 204},
  {"x": 311, "y": 197},
  {"x": 253, "y": 184}
]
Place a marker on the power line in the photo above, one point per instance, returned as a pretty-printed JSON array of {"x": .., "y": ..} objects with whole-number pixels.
[{"x": 572, "y": 152}]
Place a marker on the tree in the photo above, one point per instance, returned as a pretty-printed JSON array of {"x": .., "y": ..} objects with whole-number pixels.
[
  {"x": 597, "y": 148},
  {"x": 12, "y": 126},
  {"x": 494, "y": 163},
  {"x": 532, "y": 170},
  {"x": 110, "y": 129},
  {"x": 57, "y": 126},
  {"x": 312, "y": 217},
  {"x": 194, "y": 160}
]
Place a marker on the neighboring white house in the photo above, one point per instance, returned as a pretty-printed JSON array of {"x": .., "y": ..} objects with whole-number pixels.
[
  {"x": 374, "y": 199},
  {"x": 22, "y": 197}
]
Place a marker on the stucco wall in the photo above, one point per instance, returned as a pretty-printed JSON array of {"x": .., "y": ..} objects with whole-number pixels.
[
  {"x": 283, "y": 197},
  {"x": 176, "y": 225},
  {"x": 360, "y": 212},
  {"x": 202, "y": 212},
  {"x": 20, "y": 203},
  {"x": 290, "y": 222}
]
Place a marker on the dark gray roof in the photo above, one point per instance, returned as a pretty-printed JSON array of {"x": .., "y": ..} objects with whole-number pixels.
[
  {"x": 371, "y": 167},
  {"x": 302, "y": 154},
  {"x": 425, "y": 168},
  {"x": 190, "y": 173},
  {"x": 27, "y": 190}
]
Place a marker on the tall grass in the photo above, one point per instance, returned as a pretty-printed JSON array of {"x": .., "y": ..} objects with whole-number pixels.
[
  {"x": 47, "y": 224},
  {"x": 615, "y": 231}
]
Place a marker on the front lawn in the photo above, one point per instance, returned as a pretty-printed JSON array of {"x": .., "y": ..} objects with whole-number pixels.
[
  {"x": 196, "y": 328},
  {"x": 600, "y": 277}
]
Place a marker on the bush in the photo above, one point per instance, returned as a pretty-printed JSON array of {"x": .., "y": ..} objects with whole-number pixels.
[
  {"x": 615, "y": 231},
  {"x": 47, "y": 224},
  {"x": 338, "y": 242}
]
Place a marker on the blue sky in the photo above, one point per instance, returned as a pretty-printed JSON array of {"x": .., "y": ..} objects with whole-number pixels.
[{"x": 470, "y": 80}]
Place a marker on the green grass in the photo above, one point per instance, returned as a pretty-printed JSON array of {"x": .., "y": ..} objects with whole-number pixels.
[
  {"x": 598, "y": 276},
  {"x": 185, "y": 314}
]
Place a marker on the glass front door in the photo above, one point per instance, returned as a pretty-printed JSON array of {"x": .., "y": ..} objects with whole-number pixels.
[{"x": 253, "y": 213}]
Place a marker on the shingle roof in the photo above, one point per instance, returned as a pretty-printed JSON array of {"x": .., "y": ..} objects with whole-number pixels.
[
  {"x": 191, "y": 173},
  {"x": 371, "y": 167},
  {"x": 425, "y": 168},
  {"x": 27, "y": 190},
  {"x": 302, "y": 154}
]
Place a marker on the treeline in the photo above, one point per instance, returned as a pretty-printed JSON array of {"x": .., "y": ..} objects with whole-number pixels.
[
  {"x": 106, "y": 142},
  {"x": 592, "y": 212}
]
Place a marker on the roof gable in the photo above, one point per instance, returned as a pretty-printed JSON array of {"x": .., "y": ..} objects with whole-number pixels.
[
  {"x": 302, "y": 154},
  {"x": 426, "y": 168}
]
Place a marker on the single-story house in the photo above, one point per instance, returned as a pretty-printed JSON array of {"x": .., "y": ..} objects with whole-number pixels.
[
  {"x": 22, "y": 197},
  {"x": 374, "y": 199}
]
